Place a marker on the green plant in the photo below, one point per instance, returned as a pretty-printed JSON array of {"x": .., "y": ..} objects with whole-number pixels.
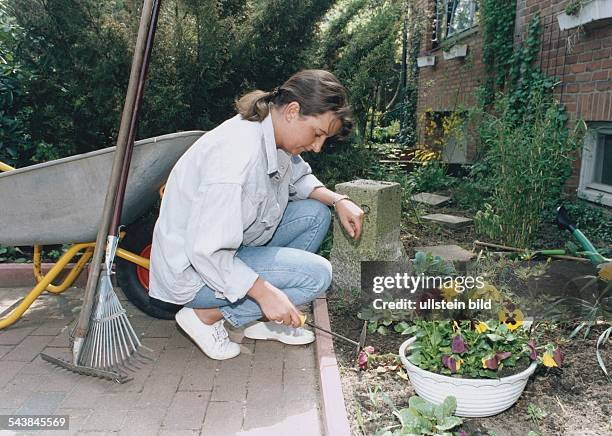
[
  {"x": 428, "y": 264},
  {"x": 574, "y": 6},
  {"x": 535, "y": 414},
  {"x": 423, "y": 418},
  {"x": 430, "y": 177},
  {"x": 11, "y": 254},
  {"x": 476, "y": 349}
]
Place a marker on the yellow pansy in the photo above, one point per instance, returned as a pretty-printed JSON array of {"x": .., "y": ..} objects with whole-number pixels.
[
  {"x": 549, "y": 360},
  {"x": 481, "y": 327},
  {"x": 511, "y": 316},
  {"x": 605, "y": 272}
]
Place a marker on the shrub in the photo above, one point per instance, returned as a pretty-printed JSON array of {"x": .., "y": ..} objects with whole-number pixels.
[{"x": 528, "y": 161}]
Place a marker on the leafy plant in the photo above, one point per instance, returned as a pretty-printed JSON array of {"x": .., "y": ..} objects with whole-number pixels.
[
  {"x": 427, "y": 263},
  {"x": 476, "y": 350},
  {"x": 430, "y": 177},
  {"x": 573, "y": 7},
  {"x": 535, "y": 414},
  {"x": 11, "y": 254},
  {"x": 423, "y": 418}
]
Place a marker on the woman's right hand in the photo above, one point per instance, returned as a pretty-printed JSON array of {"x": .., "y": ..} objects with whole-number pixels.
[{"x": 274, "y": 303}]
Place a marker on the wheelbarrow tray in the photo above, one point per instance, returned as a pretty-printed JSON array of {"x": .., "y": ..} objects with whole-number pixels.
[{"x": 61, "y": 201}]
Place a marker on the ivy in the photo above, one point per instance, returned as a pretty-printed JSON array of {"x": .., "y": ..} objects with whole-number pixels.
[{"x": 497, "y": 23}]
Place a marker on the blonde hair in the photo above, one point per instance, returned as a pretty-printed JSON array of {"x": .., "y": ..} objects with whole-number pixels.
[{"x": 316, "y": 91}]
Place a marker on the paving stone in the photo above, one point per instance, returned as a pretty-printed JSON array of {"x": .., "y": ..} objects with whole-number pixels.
[
  {"x": 8, "y": 370},
  {"x": 268, "y": 354},
  {"x": 53, "y": 327},
  {"x": 105, "y": 420},
  {"x": 298, "y": 377},
  {"x": 300, "y": 356},
  {"x": 26, "y": 382},
  {"x": 62, "y": 339},
  {"x": 29, "y": 348},
  {"x": 230, "y": 386},
  {"x": 179, "y": 433},
  {"x": 186, "y": 411},
  {"x": 195, "y": 378},
  {"x": 223, "y": 418},
  {"x": 15, "y": 334},
  {"x": 4, "y": 349},
  {"x": 263, "y": 414},
  {"x": 14, "y": 398},
  {"x": 451, "y": 253},
  {"x": 303, "y": 417},
  {"x": 143, "y": 422},
  {"x": 139, "y": 379},
  {"x": 41, "y": 403},
  {"x": 84, "y": 394},
  {"x": 173, "y": 360},
  {"x": 447, "y": 220},
  {"x": 430, "y": 199},
  {"x": 159, "y": 390},
  {"x": 60, "y": 381},
  {"x": 160, "y": 328},
  {"x": 77, "y": 418}
]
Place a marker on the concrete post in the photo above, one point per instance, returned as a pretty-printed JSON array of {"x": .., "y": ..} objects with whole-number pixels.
[{"x": 380, "y": 240}]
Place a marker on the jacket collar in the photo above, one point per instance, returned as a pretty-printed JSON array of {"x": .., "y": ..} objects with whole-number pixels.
[{"x": 270, "y": 144}]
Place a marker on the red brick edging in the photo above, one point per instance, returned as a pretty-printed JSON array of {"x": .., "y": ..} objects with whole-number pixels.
[
  {"x": 335, "y": 419},
  {"x": 20, "y": 275}
]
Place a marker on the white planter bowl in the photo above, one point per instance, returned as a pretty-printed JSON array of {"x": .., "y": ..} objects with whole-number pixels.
[{"x": 475, "y": 397}]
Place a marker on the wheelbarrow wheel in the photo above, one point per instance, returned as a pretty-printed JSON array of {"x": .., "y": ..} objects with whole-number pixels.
[{"x": 134, "y": 279}]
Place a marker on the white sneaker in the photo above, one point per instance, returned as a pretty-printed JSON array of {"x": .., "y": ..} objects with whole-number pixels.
[
  {"x": 212, "y": 339},
  {"x": 279, "y": 332}
]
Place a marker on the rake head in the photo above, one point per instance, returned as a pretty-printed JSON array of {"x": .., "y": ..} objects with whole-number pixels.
[{"x": 111, "y": 348}]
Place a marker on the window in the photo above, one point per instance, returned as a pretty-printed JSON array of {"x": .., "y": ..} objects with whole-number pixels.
[
  {"x": 453, "y": 17},
  {"x": 596, "y": 171}
]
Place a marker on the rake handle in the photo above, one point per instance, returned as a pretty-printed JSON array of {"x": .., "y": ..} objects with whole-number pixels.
[
  {"x": 116, "y": 221},
  {"x": 122, "y": 141}
]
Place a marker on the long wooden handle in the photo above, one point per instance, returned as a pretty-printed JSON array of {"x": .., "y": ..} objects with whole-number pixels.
[
  {"x": 116, "y": 221},
  {"x": 122, "y": 140}
]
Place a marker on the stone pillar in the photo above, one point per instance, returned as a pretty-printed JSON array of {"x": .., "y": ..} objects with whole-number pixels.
[{"x": 380, "y": 239}]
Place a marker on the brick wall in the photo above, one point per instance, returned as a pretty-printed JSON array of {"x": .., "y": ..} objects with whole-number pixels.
[{"x": 582, "y": 59}]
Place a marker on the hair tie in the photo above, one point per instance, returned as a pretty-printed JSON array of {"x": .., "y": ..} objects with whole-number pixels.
[{"x": 275, "y": 92}]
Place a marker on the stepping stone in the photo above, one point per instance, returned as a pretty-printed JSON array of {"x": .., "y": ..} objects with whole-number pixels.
[
  {"x": 450, "y": 253},
  {"x": 430, "y": 199},
  {"x": 448, "y": 220}
]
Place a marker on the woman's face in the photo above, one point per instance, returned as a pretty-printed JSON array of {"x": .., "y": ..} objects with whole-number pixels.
[{"x": 299, "y": 133}]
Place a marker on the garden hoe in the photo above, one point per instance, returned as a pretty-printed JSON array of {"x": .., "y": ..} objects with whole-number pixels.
[
  {"x": 105, "y": 344},
  {"x": 362, "y": 336}
]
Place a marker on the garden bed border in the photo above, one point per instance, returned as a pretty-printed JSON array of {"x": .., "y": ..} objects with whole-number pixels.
[{"x": 335, "y": 418}]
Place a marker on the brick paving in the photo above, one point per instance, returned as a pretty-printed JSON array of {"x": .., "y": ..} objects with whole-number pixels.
[{"x": 269, "y": 389}]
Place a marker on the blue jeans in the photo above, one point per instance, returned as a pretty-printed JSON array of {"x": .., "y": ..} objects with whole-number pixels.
[{"x": 287, "y": 261}]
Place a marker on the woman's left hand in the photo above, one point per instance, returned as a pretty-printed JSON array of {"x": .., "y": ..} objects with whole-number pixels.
[{"x": 351, "y": 217}]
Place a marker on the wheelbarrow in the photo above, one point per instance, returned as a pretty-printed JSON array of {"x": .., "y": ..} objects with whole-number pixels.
[{"x": 60, "y": 202}]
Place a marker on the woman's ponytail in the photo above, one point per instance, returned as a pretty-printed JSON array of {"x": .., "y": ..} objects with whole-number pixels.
[{"x": 254, "y": 106}]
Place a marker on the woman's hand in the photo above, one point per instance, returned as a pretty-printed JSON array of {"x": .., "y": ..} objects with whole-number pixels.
[
  {"x": 274, "y": 303},
  {"x": 351, "y": 217}
]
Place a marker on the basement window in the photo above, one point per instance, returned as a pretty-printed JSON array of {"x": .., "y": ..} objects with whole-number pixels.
[{"x": 596, "y": 169}]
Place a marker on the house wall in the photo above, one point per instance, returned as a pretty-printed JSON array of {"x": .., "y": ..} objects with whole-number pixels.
[{"x": 581, "y": 58}]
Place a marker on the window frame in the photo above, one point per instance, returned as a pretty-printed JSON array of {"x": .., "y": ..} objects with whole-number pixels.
[
  {"x": 589, "y": 188},
  {"x": 440, "y": 37}
]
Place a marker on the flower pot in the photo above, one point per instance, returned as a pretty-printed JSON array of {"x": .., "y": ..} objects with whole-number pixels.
[
  {"x": 426, "y": 61},
  {"x": 475, "y": 397},
  {"x": 594, "y": 10},
  {"x": 456, "y": 51}
]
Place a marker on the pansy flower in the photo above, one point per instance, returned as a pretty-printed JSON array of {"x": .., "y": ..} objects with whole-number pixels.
[
  {"x": 452, "y": 363},
  {"x": 511, "y": 315},
  {"x": 481, "y": 326},
  {"x": 458, "y": 345},
  {"x": 492, "y": 361},
  {"x": 532, "y": 349}
]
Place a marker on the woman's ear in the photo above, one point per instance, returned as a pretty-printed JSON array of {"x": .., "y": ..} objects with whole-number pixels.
[{"x": 292, "y": 111}]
